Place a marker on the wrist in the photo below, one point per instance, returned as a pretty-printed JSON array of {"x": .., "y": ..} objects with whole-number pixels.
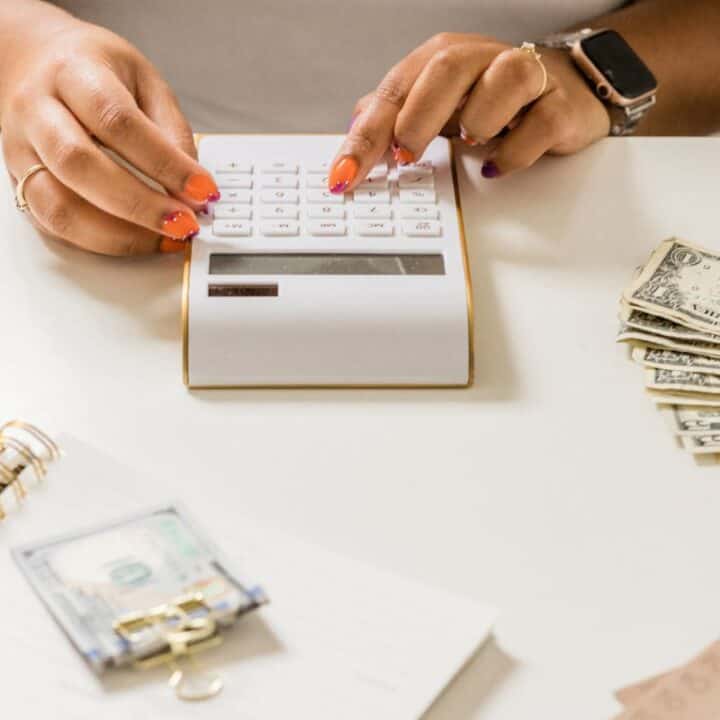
[{"x": 25, "y": 27}]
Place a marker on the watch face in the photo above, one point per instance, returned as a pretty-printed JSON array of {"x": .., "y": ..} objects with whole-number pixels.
[{"x": 619, "y": 64}]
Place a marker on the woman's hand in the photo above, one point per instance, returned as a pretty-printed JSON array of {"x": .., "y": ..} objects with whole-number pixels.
[
  {"x": 72, "y": 88},
  {"x": 475, "y": 87}
]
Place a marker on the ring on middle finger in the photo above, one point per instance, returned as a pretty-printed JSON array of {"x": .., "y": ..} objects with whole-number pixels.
[{"x": 529, "y": 48}]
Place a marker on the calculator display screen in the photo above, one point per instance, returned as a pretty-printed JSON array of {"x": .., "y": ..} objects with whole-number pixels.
[{"x": 326, "y": 264}]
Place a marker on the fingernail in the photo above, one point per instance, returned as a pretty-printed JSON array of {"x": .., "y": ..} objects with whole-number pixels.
[
  {"x": 467, "y": 139},
  {"x": 402, "y": 155},
  {"x": 201, "y": 188},
  {"x": 490, "y": 170},
  {"x": 180, "y": 226},
  {"x": 342, "y": 174},
  {"x": 168, "y": 245}
]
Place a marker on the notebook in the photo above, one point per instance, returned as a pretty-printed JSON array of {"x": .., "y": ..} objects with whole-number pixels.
[{"x": 339, "y": 640}]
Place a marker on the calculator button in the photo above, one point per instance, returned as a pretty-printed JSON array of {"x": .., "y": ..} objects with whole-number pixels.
[
  {"x": 374, "y": 228},
  {"x": 234, "y": 166},
  {"x": 226, "y": 212},
  {"x": 235, "y": 181},
  {"x": 280, "y": 196},
  {"x": 325, "y": 197},
  {"x": 380, "y": 170},
  {"x": 325, "y": 211},
  {"x": 319, "y": 167},
  {"x": 280, "y": 166},
  {"x": 279, "y": 181},
  {"x": 371, "y": 183},
  {"x": 289, "y": 212},
  {"x": 369, "y": 212},
  {"x": 421, "y": 195},
  {"x": 317, "y": 180},
  {"x": 410, "y": 180},
  {"x": 232, "y": 227},
  {"x": 326, "y": 227},
  {"x": 418, "y": 212},
  {"x": 233, "y": 195},
  {"x": 422, "y": 228},
  {"x": 416, "y": 169},
  {"x": 280, "y": 228},
  {"x": 372, "y": 196}
]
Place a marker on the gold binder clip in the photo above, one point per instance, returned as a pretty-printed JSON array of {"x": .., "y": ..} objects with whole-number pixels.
[
  {"x": 10, "y": 474},
  {"x": 185, "y": 635}
]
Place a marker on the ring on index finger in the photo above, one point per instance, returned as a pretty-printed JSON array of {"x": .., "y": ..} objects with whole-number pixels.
[
  {"x": 20, "y": 202},
  {"x": 529, "y": 48}
]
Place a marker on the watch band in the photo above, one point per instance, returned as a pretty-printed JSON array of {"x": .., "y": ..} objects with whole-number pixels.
[
  {"x": 564, "y": 41},
  {"x": 624, "y": 119}
]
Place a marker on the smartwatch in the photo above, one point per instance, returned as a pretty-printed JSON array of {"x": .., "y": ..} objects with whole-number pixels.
[{"x": 615, "y": 72}]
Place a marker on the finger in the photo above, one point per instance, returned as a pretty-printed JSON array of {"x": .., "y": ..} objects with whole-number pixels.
[
  {"x": 59, "y": 212},
  {"x": 65, "y": 148},
  {"x": 157, "y": 100},
  {"x": 512, "y": 81},
  {"x": 440, "y": 88},
  {"x": 371, "y": 133},
  {"x": 107, "y": 109},
  {"x": 544, "y": 125}
]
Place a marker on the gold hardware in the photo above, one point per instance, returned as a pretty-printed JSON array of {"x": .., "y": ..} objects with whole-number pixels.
[
  {"x": 184, "y": 636},
  {"x": 10, "y": 474}
]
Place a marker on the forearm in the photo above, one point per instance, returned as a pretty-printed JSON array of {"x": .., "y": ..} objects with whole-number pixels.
[
  {"x": 21, "y": 23},
  {"x": 678, "y": 40}
]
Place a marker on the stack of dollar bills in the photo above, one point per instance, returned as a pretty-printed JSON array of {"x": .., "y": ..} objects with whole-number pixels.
[{"x": 670, "y": 314}]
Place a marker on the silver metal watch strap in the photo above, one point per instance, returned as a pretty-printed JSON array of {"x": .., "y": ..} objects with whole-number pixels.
[
  {"x": 564, "y": 41},
  {"x": 623, "y": 119}
]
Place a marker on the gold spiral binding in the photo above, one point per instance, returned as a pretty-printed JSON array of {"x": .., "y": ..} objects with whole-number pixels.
[{"x": 20, "y": 442}]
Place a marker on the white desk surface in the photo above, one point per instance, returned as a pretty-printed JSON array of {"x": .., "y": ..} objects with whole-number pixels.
[{"x": 551, "y": 489}]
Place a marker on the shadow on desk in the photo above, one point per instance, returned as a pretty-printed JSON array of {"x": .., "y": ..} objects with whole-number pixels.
[
  {"x": 466, "y": 696},
  {"x": 249, "y": 640}
]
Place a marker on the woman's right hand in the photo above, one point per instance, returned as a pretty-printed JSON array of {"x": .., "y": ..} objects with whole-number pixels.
[{"x": 75, "y": 87}]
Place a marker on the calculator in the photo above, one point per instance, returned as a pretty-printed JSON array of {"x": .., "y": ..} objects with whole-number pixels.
[{"x": 290, "y": 285}]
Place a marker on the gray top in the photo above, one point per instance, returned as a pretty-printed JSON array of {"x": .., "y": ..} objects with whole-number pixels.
[{"x": 299, "y": 65}]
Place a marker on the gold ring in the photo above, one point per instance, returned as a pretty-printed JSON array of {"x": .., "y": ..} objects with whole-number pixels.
[
  {"x": 529, "y": 48},
  {"x": 20, "y": 202}
]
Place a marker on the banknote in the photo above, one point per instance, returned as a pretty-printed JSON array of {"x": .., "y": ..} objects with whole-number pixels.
[
  {"x": 689, "y": 420},
  {"x": 661, "y": 326},
  {"x": 682, "y": 380},
  {"x": 690, "y": 692},
  {"x": 90, "y": 579},
  {"x": 666, "y": 359},
  {"x": 628, "y": 334},
  {"x": 678, "y": 397},
  {"x": 701, "y": 445},
  {"x": 680, "y": 282}
]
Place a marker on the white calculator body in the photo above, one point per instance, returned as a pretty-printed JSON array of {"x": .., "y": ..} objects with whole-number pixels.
[{"x": 289, "y": 285}]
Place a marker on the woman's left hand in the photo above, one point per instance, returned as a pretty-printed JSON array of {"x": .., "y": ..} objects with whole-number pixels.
[{"x": 475, "y": 87}]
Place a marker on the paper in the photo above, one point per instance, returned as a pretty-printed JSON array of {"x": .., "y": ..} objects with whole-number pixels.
[{"x": 340, "y": 641}]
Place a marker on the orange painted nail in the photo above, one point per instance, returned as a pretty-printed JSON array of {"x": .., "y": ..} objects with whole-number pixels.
[
  {"x": 168, "y": 245},
  {"x": 402, "y": 155},
  {"x": 201, "y": 188},
  {"x": 180, "y": 225},
  {"x": 342, "y": 174}
]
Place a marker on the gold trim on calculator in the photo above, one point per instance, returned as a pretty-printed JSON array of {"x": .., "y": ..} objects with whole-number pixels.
[{"x": 336, "y": 386}]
